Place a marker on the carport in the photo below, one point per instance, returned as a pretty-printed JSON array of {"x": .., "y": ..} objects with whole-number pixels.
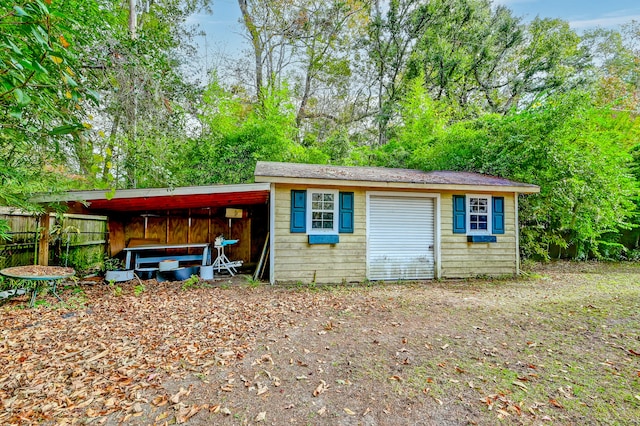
[{"x": 196, "y": 214}]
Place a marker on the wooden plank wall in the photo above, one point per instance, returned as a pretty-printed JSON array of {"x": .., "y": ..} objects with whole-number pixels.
[
  {"x": 195, "y": 226},
  {"x": 296, "y": 260},
  {"x": 462, "y": 259}
]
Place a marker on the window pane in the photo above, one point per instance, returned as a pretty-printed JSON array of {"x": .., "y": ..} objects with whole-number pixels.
[
  {"x": 473, "y": 226},
  {"x": 328, "y": 206},
  {"x": 482, "y": 226},
  {"x": 328, "y": 197},
  {"x": 316, "y": 224},
  {"x": 316, "y": 205},
  {"x": 316, "y": 196},
  {"x": 328, "y": 225},
  {"x": 482, "y": 218}
]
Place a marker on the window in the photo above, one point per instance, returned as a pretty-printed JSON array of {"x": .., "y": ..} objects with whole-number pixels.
[
  {"x": 478, "y": 215},
  {"x": 478, "y": 212},
  {"x": 322, "y": 211}
]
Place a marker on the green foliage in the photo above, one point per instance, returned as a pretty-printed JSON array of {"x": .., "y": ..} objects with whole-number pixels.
[
  {"x": 116, "y": 289},
  {"x": 240, "y": 135},
  {"x": 42, "y": 97},
  {"x": 191, "y": 282},
  {"x": 253, "y": 283},
  {"x": 480, "y": 58},
  {"x": 577, "y": 153},
  {"x": 139, "y": 289},
  {"x": 111, "y": 264},
  {"x": 5, "y": 230}
]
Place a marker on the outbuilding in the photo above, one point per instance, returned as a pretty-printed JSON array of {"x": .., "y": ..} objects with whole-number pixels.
[
  {"x": 332, "y": 224},
  {"x": 329, "y": 224}
]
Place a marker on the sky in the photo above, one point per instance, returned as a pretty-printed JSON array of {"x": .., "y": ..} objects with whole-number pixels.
[
  {"x": 224, "y": 32},
  {"x": 581, "y": 14}
]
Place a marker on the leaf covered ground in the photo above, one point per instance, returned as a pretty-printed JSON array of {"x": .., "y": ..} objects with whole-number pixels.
[{"x": 561, "y": 346}]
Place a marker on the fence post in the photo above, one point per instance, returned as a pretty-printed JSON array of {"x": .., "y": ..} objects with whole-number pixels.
[{"x": 43, "y": 242}]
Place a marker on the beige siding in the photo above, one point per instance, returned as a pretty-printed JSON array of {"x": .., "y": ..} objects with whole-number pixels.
[
  {"x": 296, "y": 260},
  {"x": 462, "y": 259}
]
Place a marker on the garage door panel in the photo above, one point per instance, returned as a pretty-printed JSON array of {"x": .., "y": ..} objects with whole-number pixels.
[{"x": 401, "y": 238}]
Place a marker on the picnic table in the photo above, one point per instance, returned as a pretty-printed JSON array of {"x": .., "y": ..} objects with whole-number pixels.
[{"x": 148, "y": 253}]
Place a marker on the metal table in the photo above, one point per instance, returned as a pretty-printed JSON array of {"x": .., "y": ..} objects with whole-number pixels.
[
  {"x": 137, "y": 254},
  {"x": 49, "y": 276},
  {"x": 222, "y": 261}
]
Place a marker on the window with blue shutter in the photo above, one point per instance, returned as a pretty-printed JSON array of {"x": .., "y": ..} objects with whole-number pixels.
[
  {"x": 298, "y": 211},
  {"x": 459, "y": 215},
  {"x": 497, "y": 224},
  {"x": 346, "y": 213}
]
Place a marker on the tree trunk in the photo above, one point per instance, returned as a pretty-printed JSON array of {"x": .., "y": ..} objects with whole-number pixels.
[
  {"x": 132, "y": 19},
  {"x": 254, "y": 34}
]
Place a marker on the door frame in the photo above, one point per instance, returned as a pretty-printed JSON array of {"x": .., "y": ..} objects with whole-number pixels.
[{"x": 436, "y": 221}]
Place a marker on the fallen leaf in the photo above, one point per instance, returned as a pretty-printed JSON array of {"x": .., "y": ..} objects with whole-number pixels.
[
  {"x": 176, "y": 398},
  {"x": 186, "y": 412},
  {"x": 320, "y": 389},
  {"x": 502, "y": 412},
  {"x": 349, "y": 412},
  {"x": 159, "y": 400},
  {"x": 162, "y": 416},
  {"x": 520, "y": 385},
  {"x": 261, "y": 416},
  {"x": 555, "y": 403},
  {"x": 262, "y": 389},
  {"x": 97, "y": 357},
  {"x": 321, "y": 412}
]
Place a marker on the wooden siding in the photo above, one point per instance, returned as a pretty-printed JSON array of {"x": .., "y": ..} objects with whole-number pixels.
[
  {"x": 297, "y": 260},
  {"x": 194, "y": 226},
  {"x": 460, "y": 258}
]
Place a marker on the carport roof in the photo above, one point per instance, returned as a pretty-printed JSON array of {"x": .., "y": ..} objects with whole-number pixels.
[{"x": 189, "y": 197}]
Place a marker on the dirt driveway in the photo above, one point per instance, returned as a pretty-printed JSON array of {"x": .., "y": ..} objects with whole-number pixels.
[{"x": 559, "y": 347}]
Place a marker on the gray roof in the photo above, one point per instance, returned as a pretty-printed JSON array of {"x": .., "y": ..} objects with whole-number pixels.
[{"x": 382, "y": 174}]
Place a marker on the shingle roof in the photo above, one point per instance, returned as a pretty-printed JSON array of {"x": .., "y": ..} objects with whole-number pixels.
[{"x": 381, "y": 174}]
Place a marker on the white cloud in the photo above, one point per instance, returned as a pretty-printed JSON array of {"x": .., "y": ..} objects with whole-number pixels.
[
  {"x": 609, "y": 21},
  {"x": 510, "y": 2}
]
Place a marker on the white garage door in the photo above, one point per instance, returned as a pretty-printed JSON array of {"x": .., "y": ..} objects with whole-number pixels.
[{"x": 400, "y": 242}]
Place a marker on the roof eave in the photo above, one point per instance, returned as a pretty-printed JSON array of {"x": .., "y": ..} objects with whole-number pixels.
[
  {"x": 523, "y": 189},
  {"x": 91, "y": 195}
]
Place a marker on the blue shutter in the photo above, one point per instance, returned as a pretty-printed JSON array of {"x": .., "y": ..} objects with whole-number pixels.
[
  {"x": 497, "y": 222},
  {"x": 345, "y": 224},
  {"x": 298, "y": 211},
  {"x": 459, "y": 215}
]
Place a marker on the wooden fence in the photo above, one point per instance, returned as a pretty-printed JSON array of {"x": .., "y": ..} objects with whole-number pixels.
[
  {"x": 73, "y": 240},
  {"x": 21, "y": 249}
]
